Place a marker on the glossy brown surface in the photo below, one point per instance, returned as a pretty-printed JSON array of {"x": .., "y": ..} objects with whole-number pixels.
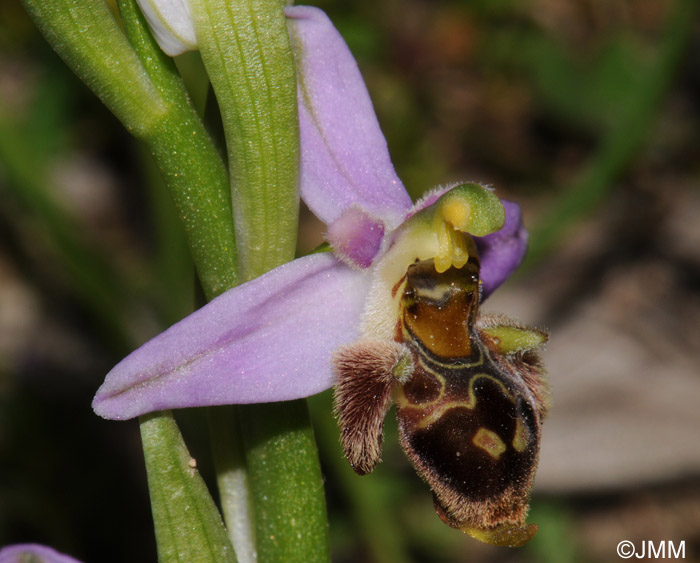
[
  {"x": 468, "y": 423},
  {"x": 469, "y": 404},
  {"x": 472, "y": 446},
  {"x": 440, "y": 308}
]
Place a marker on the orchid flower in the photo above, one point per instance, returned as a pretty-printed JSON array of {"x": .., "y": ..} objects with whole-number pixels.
[
  {"x": 311, "y": 323},
  {"x": 271, "y": 339},
  {"x": 35, "y": 553}
]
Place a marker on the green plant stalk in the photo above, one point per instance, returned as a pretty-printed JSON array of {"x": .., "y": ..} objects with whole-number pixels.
[
  {"x": 150, "y": 105},
  {"x": 245, "y": 47},
  {"x": 189, "y": 528},
  {"x": 148, "y": 98},
  {"x": 285, "y": 483},
  {"x": 624, "y": 140},
  {"x": 162, "y": 71}
]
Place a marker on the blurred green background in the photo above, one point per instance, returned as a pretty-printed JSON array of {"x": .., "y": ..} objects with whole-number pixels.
[{"x": 586, "y": 112}]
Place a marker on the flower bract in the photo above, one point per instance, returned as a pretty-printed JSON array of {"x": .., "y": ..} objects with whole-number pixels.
[{"x": 171, "y": 24}]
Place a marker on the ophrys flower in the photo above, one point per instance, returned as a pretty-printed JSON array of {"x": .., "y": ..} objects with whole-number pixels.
[{"x": 292, "y": 332}]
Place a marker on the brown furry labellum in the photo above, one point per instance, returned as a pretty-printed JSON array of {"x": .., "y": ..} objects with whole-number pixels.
[{"x": 470, "y": 396}]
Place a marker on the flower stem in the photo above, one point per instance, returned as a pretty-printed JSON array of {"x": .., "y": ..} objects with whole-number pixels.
[
  {"x": 285, "y": 482},
  {"x": 232, "y": 479},
  {"x": 186, "y": 155},
  {"x": 188, "y": 525},
  {"x": 245, "y": 48}
]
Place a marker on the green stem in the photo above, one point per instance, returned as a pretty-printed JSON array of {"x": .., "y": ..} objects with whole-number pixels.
[
  {"x": 624, "y": 140},
  {"x": 245, "y": 48},
  {"x": 198, "y": 181},
  {"x": 232, "y": 479},
  {"x": 188, "y": 525},
  {"x": 285, "y": 482}
]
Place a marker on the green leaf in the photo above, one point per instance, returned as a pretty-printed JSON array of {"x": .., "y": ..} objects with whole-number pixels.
[
  {"x": 245, "y": 49},
  {"x": 90, "y": 41},
  {"x": 187, "y": 523},
  {"x": 190, "y": 163}
]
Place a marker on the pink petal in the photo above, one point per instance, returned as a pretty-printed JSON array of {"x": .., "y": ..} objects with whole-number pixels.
[
  {"x": 268, "y": 340},
  {"x": 34, "y": 553},
  {"x": 344, "y": 156},
  {"x": 503, "y": 251},
  {"x": 356, "y": 237}
]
